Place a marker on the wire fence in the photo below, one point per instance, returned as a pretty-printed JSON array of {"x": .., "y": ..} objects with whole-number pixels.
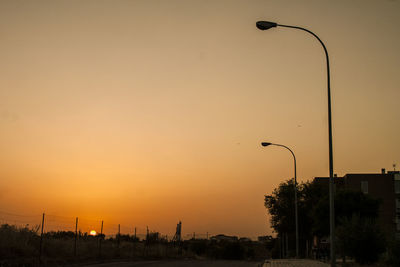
[
  {"x": 55, "y": 223},
  {"x": 47, "y": 237},
  {"x": 54, "y": 240}
]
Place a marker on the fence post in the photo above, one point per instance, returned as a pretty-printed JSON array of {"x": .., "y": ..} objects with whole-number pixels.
[
  {"x": 41, "y": 241},
  {"x": 100, "y": 238},
  {"x": 118, "y": 239},
  {"x": 119, "y": 235},
  {"x": 145, "y": 252},
  {"x": 76, "y": 235},
  {"x": 134, "y": 244}
]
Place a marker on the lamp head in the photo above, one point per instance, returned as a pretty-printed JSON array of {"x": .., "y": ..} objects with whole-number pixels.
[
  {"x": 266, "y": 144},
  {"x": 265, "y": 25}
]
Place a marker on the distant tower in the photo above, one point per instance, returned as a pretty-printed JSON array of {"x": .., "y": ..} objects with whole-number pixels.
[
  {"x": 178, "y": 234},
  {"x": 394, "y": 166}
]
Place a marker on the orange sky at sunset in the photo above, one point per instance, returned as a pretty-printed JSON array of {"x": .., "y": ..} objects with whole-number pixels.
[{"x": 149, "y": 112}]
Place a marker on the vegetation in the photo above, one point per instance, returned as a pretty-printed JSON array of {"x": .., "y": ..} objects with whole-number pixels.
[
  {"x": 358, "y": 235},
  {"x": 360, "y": 239},
  {"x": 21, "y": 247},
  {"x": 394, "y": 253},
  {"x": 280, "y": 205},
  {"x": 18, "y": 242}
]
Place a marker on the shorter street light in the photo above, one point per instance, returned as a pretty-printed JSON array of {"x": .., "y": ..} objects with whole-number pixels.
[{"x": 295, "y": 189}]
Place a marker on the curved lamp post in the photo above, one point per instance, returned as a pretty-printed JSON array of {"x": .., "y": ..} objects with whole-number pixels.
[
  {"x": 265, "y": 25},
  {"x": 295, "y": 193}
]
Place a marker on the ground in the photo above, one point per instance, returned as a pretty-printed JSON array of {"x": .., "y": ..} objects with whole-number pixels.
[{"x": 215, "y": 263}]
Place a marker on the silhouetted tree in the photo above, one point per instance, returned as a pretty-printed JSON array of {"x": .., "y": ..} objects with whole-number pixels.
[
  {"x": 313, "y": 209},
  {"x": 394, "y": 253},
  {"x": 310, "y": 194},
  {"x": 60, "y": 234},
  {"x": 280, "y": 205},
  {"x": 347, "y": 204}
]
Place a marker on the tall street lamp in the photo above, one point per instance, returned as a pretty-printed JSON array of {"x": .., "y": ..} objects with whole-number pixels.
[
  {"x": 295, "y": 193},
  {"x": 265, "y": 25}
]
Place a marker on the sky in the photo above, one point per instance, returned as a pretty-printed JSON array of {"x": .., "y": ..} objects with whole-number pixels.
[{"x": 144, "y": 113}]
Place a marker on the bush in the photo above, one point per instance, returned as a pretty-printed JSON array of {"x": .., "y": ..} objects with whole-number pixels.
[
  {"x": 17, "y": 242},
  {"x": 394, "y": 253},
  {"x": 233, "y": 251},
  {"x": 198, "y": 246},
  {"x": 360, "y": 239}
]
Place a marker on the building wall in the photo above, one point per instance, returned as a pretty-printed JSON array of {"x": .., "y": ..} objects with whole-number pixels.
[
  {"x": 380, "y": 186},
  {"x": 384, "y": 186}
]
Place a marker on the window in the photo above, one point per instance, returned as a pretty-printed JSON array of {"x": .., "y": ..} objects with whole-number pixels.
[
  {"x": 397, "y": 186},
  {"x": 364, "y": 187},
  {"x": 398, "y": 224}
]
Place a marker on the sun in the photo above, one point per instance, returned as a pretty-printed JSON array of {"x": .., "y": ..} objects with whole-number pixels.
[{"x": 93, "y": 233}]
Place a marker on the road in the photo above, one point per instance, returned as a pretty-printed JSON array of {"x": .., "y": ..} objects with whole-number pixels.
[
  {"x": 181, "y": 263},
  {"x": 214, "y": 263},
  {"x": 294, "y": 263}
]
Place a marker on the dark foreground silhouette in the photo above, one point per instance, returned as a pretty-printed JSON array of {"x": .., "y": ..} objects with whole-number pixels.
[{"x": 181, "y": 263}]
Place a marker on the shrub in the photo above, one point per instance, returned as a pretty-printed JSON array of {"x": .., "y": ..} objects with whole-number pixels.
[
  {"x": 394, "y": 253},
  {"x": 360, "y": 239}
]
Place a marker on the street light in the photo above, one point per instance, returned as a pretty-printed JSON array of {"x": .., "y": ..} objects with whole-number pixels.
[
  {"x": 265, "y": 25},
  {"x": 295, "y": 194}
]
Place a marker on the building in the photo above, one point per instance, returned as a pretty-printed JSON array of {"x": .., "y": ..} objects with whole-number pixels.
[
  {"x": 384, "y": 186},
  {"x": 265, "y": 238},
  {"x": 324, "y": 182},
  {"x": 219, "y": 238}
]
